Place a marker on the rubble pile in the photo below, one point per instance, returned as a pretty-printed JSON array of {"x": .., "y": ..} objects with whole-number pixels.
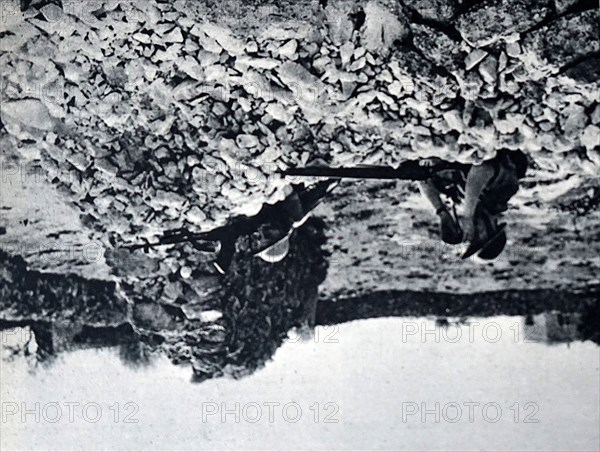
[
  {"x": 160, "y": 119},
  {"x": 227, "y": 325},
  {"x": 219, "y": 326}
]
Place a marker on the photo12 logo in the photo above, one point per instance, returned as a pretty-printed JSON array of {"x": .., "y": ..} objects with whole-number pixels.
[
  {"x": 326, "y": 334},
  {"x": 52, "y": 252},
  {"x": 454, "y": 412},
  {"x": 69, "y": 412},
  {"x": 269, "y": 412},
  {"x": 468, "y": 332}
]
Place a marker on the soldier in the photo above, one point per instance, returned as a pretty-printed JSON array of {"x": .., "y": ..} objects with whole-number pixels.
[{"x": 484, "y": 190}]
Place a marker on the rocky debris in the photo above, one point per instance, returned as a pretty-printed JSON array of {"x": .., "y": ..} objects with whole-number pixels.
[
  {"x": 225, "y": 38},
  {"x": 438, "y": 47},
  {"x": 171, "y": 122},
  {"x": 562, "y": 42},
  {"x": 491, "y": 21},
  {"x": 442, "y": 11}
]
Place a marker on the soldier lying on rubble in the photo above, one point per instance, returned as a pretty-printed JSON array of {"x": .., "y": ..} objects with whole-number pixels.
[
  {"x": 273, "y": 225},
  {"x": 484, "y": 190},
  {"x": 270, "y": 230}
]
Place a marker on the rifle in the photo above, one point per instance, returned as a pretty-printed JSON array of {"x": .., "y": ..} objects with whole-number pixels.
[{"x": 408, "y": 170}]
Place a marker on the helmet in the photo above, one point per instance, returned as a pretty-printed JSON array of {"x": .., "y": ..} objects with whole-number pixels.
[{"x": 276, "y": 252}]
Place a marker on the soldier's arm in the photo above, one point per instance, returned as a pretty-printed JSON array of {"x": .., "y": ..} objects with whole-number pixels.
[
  {"x": 478, "y": 178},
  {"x": 432, "y": 194}
]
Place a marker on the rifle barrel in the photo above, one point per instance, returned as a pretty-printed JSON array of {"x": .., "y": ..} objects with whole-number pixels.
[{"x": 409, "y": 170}]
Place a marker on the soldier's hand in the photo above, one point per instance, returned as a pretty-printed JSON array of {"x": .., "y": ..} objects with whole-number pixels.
[{"x": 429, "y": 162}]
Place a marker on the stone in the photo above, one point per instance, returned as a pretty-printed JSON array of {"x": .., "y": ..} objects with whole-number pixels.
[
  {"x": 348, "y": 89},
  {"x": 595, "y": 116},
  {"x": 52, "y": 13},
  {"x": 573, "y": 119},
  {"x": 594, "y": 156},
  {"x": 142, "y": 37},
  {"x": 321, "y": 63},
  {"x": 209, "y": 44},
  {"x": 173, "y": 36},
  {"x": 199, "y": 312},
  {"x": 168, "y": 199},
  {"x": 341, "y": 25},
  {"x": 246, "y": 141},
  {"x": 28, "y": 113},
  {"x": 79, "y": 161},
  {"x": 185, "y": 272},
  {"x": 306, "y": 86},
  {"x": 258, "y": 63},
  {"x": 346, "y": 51},
  {"x": 270, "y": 154},
  {"x": 106, "y": 167},
  {"x": 382, "y": 27},
  {"x": 502, "y": 62},
  {"x": 358, "y": 64},
  {"x": 488, "y": 69},
  {"x": 359, "y": 52},
  {"x": 223, "y": 36},
  {"x": 252, "y": 47},
  {"x": 245, "y": 104},
  {"x": 288, "y": 50},
  {"x": 511, "y": 123},
  {"x": 513, "y": 49},
  {"x": 395, "y": 88},
  {"x": 590, "y": 137},
  {"x": 474, "y": 58},
  {"x": 195, "y": 216},
  {"x": 279, "y": 112},
  {"x": 454, "y": 120},
  {"x": 191, "y": 67},
  {"x": 215, "y": 73}
]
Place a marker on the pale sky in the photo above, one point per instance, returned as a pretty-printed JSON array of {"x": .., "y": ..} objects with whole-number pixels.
[{"x": 375, "y": 373}]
